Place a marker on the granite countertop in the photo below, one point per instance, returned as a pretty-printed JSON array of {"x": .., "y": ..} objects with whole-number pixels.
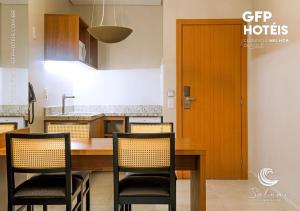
[
  {"x": 91, "y": 117},
  {"x": 73, "y": 117},
  {"x": 90, "y": 113},
  {"x": 134, "y": 114},
  {"x": 13, "y": 110}
]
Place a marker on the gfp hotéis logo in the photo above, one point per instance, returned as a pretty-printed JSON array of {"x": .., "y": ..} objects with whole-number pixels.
[{"x": 262, "y": 25}]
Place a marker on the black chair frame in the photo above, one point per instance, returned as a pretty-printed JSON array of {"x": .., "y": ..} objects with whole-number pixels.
[
  {"x": 69, "y": 197},
  {"x": 126, "y": 202}
]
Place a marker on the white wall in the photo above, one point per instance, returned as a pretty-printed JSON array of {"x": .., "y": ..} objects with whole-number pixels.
[
  {"x": 40, "y": 78},
  {"x": 13, "y": 77},
  {"x": 119, "y": 87},
  {"x": 142, "y": 49},
  {"x": 105, "y": 87},
  {"x": 0, "y": 34},
  {"x": 274, "y": 102},
  {"x": 21, "y": 34},
  {"x": 13, "y": 86},
  {"x": 1, "y": 87}
]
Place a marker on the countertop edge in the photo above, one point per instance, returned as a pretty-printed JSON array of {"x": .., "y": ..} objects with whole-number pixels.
[{"x": 96, "y": 116}]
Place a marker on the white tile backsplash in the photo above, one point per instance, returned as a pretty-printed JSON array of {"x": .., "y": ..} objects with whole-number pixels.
[
  {"x": 118, "y": 87},
  {"x": 13, "y": 86}
]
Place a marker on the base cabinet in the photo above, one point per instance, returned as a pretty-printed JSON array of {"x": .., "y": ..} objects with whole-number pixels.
[
  {"x": 96, "y": 126},
  {"x": 114, "y": 124},
  {"x": 105, "y": 126}
]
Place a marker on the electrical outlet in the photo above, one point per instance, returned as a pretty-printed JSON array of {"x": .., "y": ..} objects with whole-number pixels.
[
  {"x": 171, "y": 93},
  {"x": 171, "y": 103},
  {"x": 46, "y": 94},
  {"x": 34, "y": 33}
]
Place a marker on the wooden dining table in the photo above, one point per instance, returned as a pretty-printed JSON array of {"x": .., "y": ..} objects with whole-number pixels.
[{"x": 96, "y": 154}]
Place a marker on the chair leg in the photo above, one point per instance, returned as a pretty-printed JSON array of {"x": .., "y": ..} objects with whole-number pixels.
[
  {"x": 122, "y": 207},
  {"x": 172, "y": 206},
  {"x": 45, "y": 208},
  {"x": 79, "y": 201},
  {"x": 128, "y": 207},
  {"x": 29, "y": 207},
  {"x": 9, "y": 206},
  {"x": 116, "y": 205},
  {"x": 69, "y": 206},
  {"x": 88, "y": 206}
]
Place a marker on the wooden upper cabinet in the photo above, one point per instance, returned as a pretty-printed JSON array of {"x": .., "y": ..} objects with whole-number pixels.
[{"x": 62, "y": 36}]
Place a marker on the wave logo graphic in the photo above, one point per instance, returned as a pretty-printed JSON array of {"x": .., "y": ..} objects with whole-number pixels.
[{"x": 263, "y": 177}]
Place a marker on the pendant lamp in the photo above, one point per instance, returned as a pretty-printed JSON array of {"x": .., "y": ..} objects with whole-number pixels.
[{"x": 108, "y": 33}]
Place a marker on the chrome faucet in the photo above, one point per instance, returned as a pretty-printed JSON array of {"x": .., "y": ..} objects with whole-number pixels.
[{"x": 64, "y": 97}]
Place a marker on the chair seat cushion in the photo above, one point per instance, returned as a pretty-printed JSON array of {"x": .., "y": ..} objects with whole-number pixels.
[
  {"x": 80, "y": 174},
  {"x": 150, "y": 174},
  {"x": 145, "y": 186},
  {"x": 46, "y": 186}
]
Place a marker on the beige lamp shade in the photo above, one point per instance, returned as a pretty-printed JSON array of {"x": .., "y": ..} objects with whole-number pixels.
[{"x": 110, "y": 34}]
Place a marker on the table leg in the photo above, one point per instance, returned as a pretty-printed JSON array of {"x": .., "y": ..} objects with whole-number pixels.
[{"x": 198, "y": 185}]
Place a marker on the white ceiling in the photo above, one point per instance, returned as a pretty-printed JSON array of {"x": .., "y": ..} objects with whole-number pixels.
[
  {"x": 120, "y": 2},
  {"x": 13, "y": 1}
]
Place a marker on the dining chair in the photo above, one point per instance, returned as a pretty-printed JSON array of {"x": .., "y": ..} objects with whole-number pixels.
[
  {"x": 166, "y": 127},
  {"x": 48, "y": 157},
  {"x": 149, "y": 154},
  {"x": 7, "y": 126},
  {"x": 76, "y": 130}
]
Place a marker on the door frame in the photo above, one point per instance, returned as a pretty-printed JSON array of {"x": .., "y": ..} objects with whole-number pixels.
[{"x": 244, "y": 130}]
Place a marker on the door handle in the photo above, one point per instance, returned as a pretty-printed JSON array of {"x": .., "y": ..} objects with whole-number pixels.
[{"x": 187, "y": 99}]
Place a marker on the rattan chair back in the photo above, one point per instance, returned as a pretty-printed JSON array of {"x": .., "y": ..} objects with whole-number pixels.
[
  {"x": 76, "y": 130},
  {"x": 38, "y": 152},
  {"x": 144, "y": 151},
  {"x": 151, "y": 127}
]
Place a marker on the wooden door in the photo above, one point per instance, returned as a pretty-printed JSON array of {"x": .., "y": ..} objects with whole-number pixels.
[{"x": 211, "y": 62}]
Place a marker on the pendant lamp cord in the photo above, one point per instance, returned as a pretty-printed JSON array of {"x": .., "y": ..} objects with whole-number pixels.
[
  {"x": 92, "y": 19},
  {"x": 115, "y": 12},
  {"x": 103, "y": 11}
]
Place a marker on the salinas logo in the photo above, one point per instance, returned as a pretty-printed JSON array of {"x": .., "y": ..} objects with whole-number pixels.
[{"x": 262, "y": 176}]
